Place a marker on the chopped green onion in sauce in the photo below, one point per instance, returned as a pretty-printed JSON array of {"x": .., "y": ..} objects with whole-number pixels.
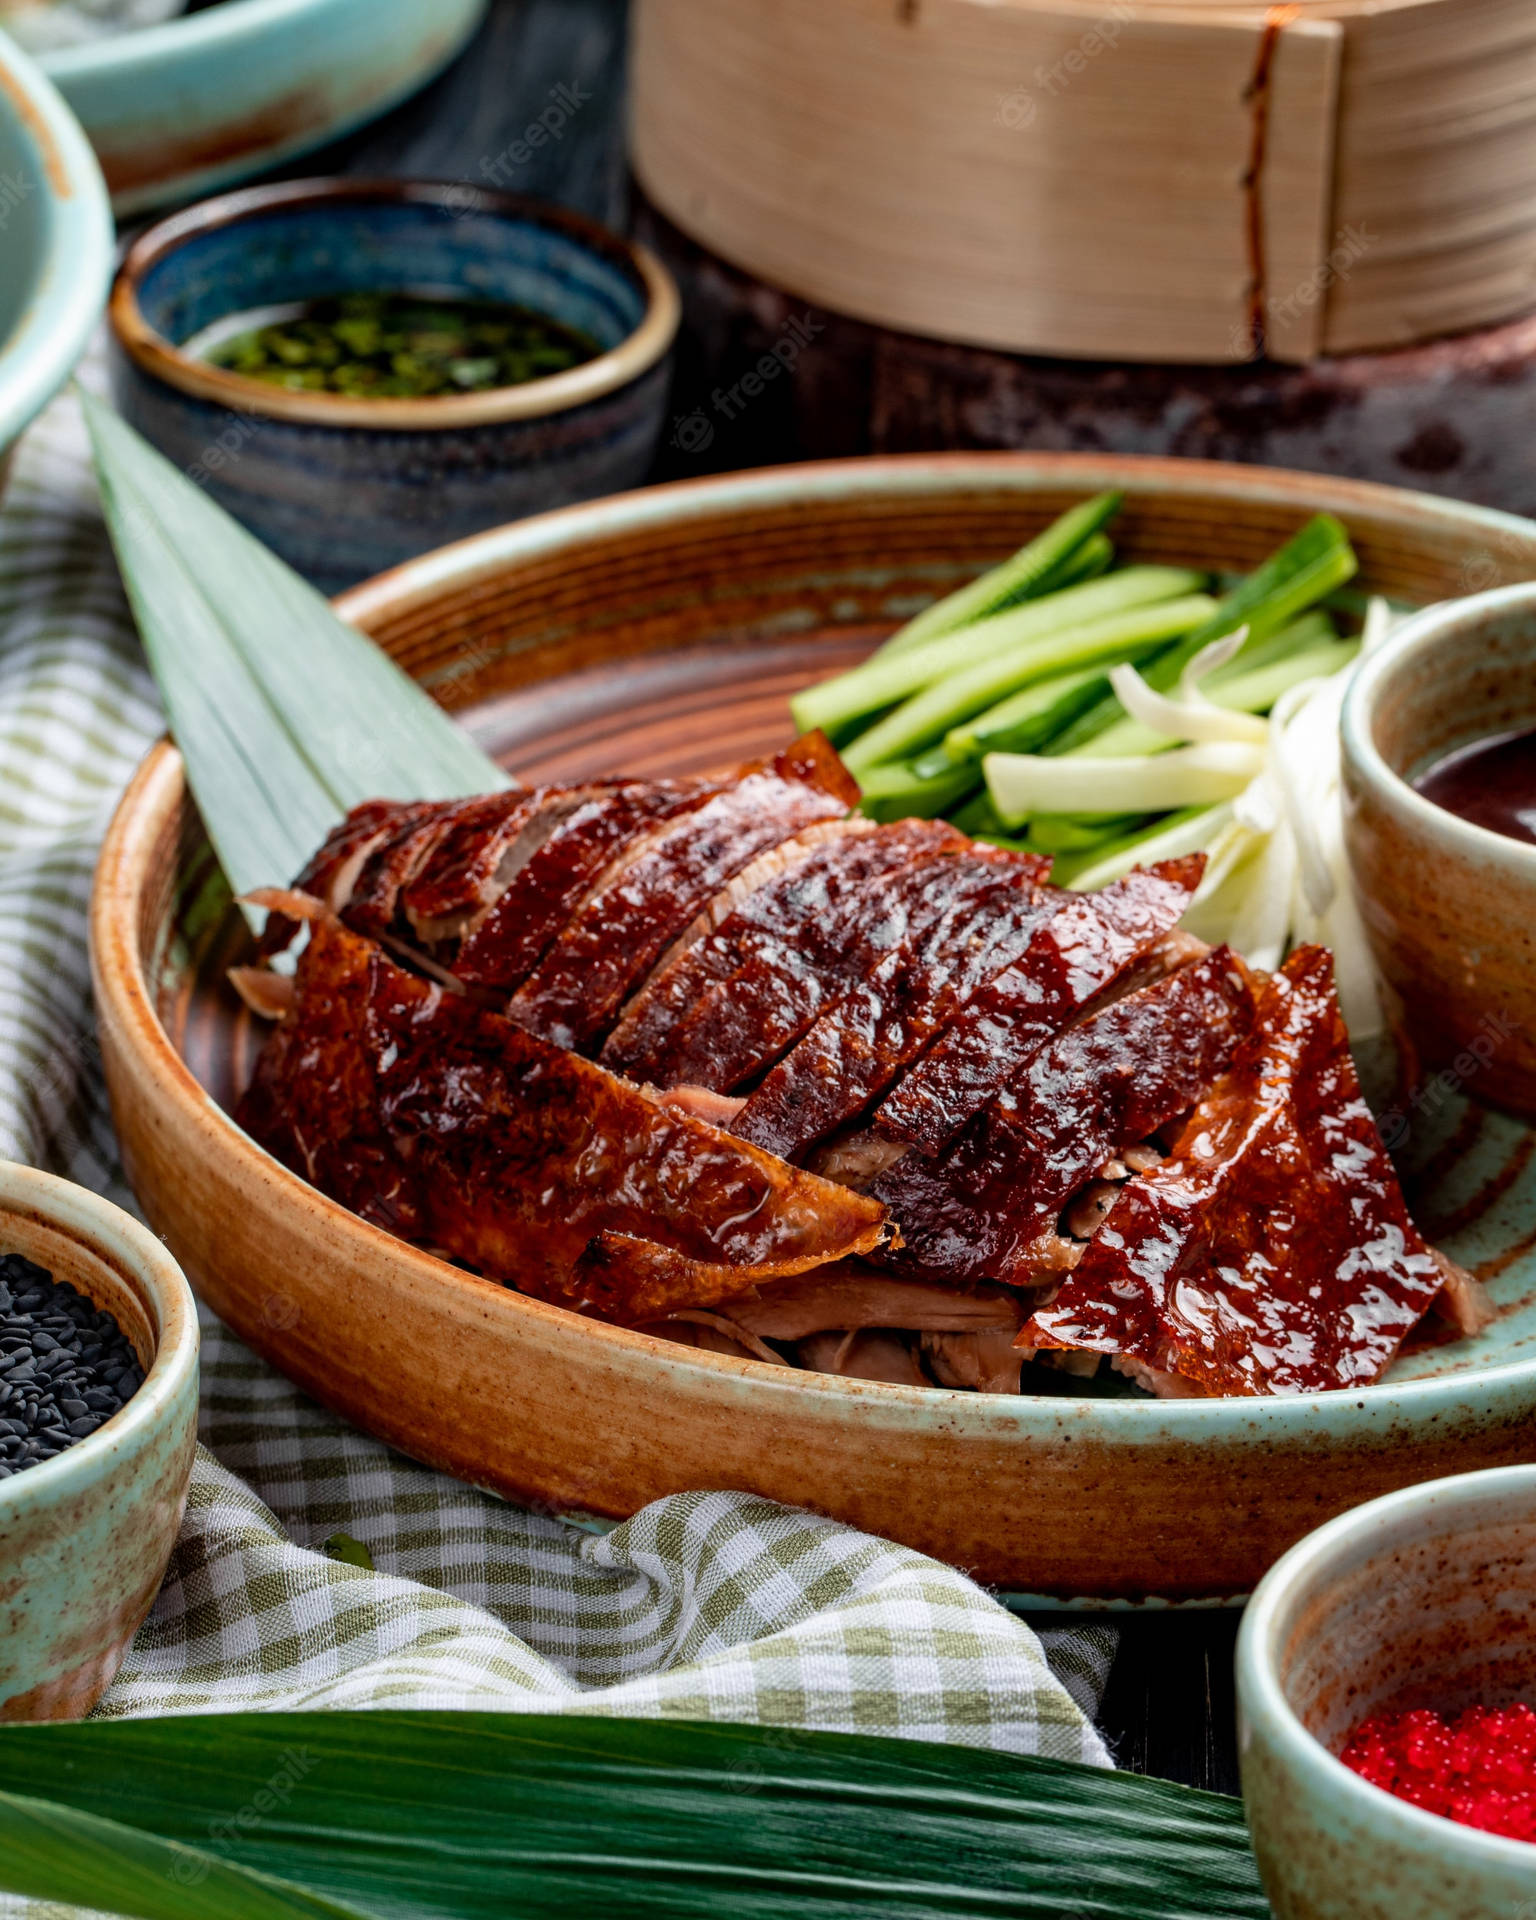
[{"x": 396, "y": 346}]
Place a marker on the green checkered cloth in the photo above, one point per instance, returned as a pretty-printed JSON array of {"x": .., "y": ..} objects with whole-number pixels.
[{"x": 705, "y": 1605}]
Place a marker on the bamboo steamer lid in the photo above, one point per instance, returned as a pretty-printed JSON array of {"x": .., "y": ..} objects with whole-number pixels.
[{"x": 1096, "y": 179}]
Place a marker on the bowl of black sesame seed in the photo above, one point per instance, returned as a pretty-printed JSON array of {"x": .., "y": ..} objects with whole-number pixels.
[{"x": 98, "y": 1425}]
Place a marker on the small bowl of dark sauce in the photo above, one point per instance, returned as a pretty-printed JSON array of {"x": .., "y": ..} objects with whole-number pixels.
[
  {"x": 363, "y": 370},
  {"x": 1491, "y": 783},
  {"x": 1439, "y": 744}
]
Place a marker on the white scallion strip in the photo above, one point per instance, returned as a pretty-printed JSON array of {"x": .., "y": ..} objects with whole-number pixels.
[
  {"x": 1294, "y": 748},
  {"x": 1189, "y": 715},
  {"x": 1024, "y": 783},
  {"x": 1216, "y": 654}
]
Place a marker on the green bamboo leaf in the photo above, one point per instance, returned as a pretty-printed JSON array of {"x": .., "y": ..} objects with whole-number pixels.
[
  {"x": 53, "y": 1852},
  {"x": 284, "y": 714},
  {"x": 469, "y": 1816}
]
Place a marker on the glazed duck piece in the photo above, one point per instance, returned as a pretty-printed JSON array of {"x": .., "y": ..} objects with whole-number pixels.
[
  {"x": 988, "y": 1207},
  {"x": 785, "y": 955},
  {"x": 796, "y": 933},
  {"x": 1084, "y": 945},
  {"x": 654, "y": 891},
  {"x": 966, "y": 918},
  {"x": 1271, "y": 1252},
  {"x": 508, "y": 933},
  {"x": 448, "y": 1124}
]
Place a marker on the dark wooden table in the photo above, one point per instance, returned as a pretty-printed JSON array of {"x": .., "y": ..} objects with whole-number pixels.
[{"x": 1169, "y": 1709}]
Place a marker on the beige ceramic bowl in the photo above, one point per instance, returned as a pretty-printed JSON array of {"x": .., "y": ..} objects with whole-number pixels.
[
  {"x": 85, "y": 1536},
  {"x": 1424, "y": 1599},
  {"x": 1450, "y": 907}
]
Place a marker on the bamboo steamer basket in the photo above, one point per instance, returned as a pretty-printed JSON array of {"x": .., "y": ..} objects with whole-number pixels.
[{"x": 1094, "y": 179}]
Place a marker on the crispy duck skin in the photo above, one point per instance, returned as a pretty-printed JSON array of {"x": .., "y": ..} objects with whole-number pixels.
[
  {"x": 966, "y": 917},
  {"x": 784, "y": 957},
  {"x": 502, "y": 945},
  {"x": 450, "y": 1125},
  {"x": 673, "y": 984},
  {"x": 392, "y": 866},
  {"x": 1271, "y": 1252},
  {"x": 798, "y": 885},
  {"x": 617, "y": 934},
  {"x": 1087, "y": 944},
  {"x": 988, "y": 1206}
]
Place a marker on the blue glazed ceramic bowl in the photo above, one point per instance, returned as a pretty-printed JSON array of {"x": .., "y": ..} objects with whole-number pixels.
[
  {"x": 1426, "y": 1598},
  {"x": 209, "y": 98},
  {"x": 85, "y": 1537},
  {"x": 345, "y": 488},
  {"x": 55, "y": 243}
]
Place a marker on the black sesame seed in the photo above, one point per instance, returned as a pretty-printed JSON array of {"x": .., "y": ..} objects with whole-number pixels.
[{"x": 65, "y": 1366}]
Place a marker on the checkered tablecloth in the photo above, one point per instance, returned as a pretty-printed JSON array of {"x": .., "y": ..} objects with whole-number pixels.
[{"x": 711, "y": 1605}]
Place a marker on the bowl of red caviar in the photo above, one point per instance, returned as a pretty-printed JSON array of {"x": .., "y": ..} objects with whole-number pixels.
[{"x": 1386, "y": 1674}]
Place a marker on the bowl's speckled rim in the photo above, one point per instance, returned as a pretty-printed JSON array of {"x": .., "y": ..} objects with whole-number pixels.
[
  {"x": 1423, "y": 634},
  {"x": 36, "y": 357},
  {"x": 121, "y": 1241},
  {"x": 1122, "y": 1421},
  {"x": 162, "y": 359},
  {"x": 1261, "y": 1697}
]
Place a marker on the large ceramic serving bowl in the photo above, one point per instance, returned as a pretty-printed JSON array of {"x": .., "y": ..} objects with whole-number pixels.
[
  {"x": 1450, "y": 907},
  {"x": 85, "y": 1536},
  {"x": 211, "y": 97},
  {"x": 1424, "y": 1599},
  {"x": 343, "y": 487},
  {"x": 662, "y": 633},
  {"x": 55, "y": 244}
]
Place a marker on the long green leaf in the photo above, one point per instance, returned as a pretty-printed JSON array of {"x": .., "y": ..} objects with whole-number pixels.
[
  {"x": 284, "y": 714},
  {"x": 54, "y": 1852},
  {"x": 470, "y": 1816}
]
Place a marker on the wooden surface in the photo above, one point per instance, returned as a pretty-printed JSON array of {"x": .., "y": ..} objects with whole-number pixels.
[{"x": 1169, "y": 1710}]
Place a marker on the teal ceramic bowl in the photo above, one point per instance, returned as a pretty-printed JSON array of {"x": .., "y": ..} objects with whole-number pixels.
[
  {"x": 1426, "y": 1598},
  {"x": 201, "y": 101},
  {"x": 55, "y": 243},
  {"x": 85, "y": 1537}
]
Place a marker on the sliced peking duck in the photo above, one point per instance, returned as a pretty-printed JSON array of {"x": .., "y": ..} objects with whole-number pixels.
[
  {"x": 720, "y": 1058},
  {"x": 1271, "y": 1252},
  {"x": 448, "y": 1124}
]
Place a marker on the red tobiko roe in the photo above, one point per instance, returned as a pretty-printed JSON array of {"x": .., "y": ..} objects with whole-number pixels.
[{"x": 1479, "y": 1768}]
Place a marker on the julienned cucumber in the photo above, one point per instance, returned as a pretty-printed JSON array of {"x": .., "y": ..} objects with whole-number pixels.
[
  {"x": 837, "y": 704},
  {"x": 1306, "y": 570},
  {"x": 1041, "y": 567},
  {"x": 929, "y": 715}
]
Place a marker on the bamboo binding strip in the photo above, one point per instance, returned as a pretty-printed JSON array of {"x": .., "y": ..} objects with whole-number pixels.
[{"x": 1107, "y": 180}]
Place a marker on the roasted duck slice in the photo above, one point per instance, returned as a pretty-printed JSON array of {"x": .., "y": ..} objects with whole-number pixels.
[
  {"x": 783, "y": 955},
  {"x": 373, "y": 901},
  {"x": 988, "y": 1207},
  {"x": 966, "y": 918},
  {"x": 708, "y": 951},
  {"x": 332, "y": 873},
  {"x": 623, "y": 926},
  {"x": 1271, "y": 1252},
  {"x": 498, "y": 948},
  {"x": 452, "y": 1126},
  {"x": 1087, "y": 944}
]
